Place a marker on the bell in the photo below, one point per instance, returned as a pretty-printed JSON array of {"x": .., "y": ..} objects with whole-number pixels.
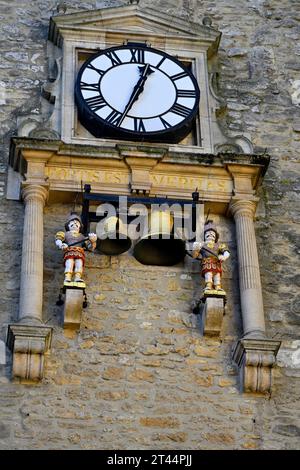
[
  {"x": 113, "y": 239},
  {"x": 160, "y": 247}
]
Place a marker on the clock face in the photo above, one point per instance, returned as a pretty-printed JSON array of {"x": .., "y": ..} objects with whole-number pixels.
[{"x": 135, "y": 92}]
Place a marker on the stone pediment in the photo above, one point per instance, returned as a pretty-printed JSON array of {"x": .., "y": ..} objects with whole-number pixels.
[{"x": 133, "y": 19}]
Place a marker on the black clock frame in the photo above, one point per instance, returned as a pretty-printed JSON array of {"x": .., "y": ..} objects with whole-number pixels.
[{"x": 100, "y": 128}]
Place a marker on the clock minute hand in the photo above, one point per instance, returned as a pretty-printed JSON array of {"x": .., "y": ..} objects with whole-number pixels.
[{"x": 137, "y": 90}]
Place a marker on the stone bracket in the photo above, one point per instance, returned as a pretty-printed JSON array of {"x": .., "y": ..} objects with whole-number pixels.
[
  {"x": 73, "y": 308},
  {"x": 255, "y": 359},
  {"x": 141, "y": 166},
  {"x": 211, "y": 316},
  {"x": 29, "y": 343}
]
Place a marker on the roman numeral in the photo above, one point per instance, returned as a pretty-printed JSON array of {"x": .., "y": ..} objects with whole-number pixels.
[
  {"x": 178, "y": 76},
  {"x": 90, "y": 66},
  {"x": 96, "y": 102},
  {"x": 139, "y": 125},
  {"x": 165, "y": 123},
  {"x": 89, "y": 86},
  {"x": 137, "y": 56},
  {"x": 180, "y": 110},
  {"x": 186, "y": 93},
  {"x": 115, "y": 60},
  {"x": 160, "y": 62},
  {"x": 114, "y": 118}
]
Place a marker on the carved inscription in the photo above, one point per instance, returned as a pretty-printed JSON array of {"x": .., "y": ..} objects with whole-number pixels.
[
  {"x": 92, "y": 176},
  {"x": 110, "y": 176},
  {"x": 188, "y": 182}
]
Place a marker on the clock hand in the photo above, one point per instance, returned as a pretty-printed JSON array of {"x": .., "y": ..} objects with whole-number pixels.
[{"x": 137, "y": 90}]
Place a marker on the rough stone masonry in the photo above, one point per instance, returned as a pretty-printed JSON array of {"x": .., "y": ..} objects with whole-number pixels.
[{"x": 139, "y": 374}]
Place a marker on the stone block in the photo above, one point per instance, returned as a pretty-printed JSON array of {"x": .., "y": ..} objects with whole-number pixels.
[
  {"x": 160, "y": 422},
  {"x": 2, "y": 353},
  {"x": 141, "y": 375},
  {"x": 13, "y": 191},
  {"x": 113, "y": 373}
]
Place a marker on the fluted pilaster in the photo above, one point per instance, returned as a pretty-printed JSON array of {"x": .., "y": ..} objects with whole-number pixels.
[
  {"x": 31, "y": 291},
  {"x": 249, "y": 275},
  {"x": 28, "y": 339}
]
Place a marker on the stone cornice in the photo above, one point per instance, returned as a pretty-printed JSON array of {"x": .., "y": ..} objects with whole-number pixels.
[
  {"x": 110, "y": 149},
  {"x": 119, "y": 168},
  {"x": 135, "y": 19}
]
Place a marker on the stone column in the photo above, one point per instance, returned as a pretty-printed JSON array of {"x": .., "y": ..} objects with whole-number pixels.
[
  {"x": 249, "y": 275},
  {"x": 31, "y": 290},
  {"x": 254, "y": 354},
  {"x": 29, "y": 339}
]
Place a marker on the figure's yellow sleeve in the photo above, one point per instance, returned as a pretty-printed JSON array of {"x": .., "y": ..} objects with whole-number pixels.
[
  {"x": 223, "y": 247},
  {"x": 60, "y": 236}
]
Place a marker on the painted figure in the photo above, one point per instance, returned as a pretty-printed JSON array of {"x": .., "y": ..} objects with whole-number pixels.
[
  {"x": 73, "y": 243},
  {"x": 212, "y": 254}
]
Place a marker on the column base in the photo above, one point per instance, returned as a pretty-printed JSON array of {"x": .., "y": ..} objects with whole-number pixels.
[
  {"x": 211, "y": 310},
  {"x": 28, "y": 344},
  {"x": 255, "y": 359},
  {"x": 73, "y": 307}
]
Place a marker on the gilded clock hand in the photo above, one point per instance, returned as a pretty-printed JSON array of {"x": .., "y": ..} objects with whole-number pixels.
[{"x": 144, "y": 71}]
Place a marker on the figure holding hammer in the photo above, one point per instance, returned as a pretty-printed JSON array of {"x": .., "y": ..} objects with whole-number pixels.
[
  {"x": 212, "y": 255},
  {"x": 74, "y": 243}
]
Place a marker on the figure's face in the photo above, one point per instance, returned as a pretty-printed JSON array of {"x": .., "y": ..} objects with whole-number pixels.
[
  {"x": 210, "y": 236},
  {"x": 74, "y": 226}
]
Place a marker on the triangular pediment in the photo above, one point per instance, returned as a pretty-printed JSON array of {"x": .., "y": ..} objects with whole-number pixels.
[{"x": 133, "y": 19}]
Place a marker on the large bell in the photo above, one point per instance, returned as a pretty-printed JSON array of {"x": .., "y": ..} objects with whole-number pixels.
[
  {"x": 160, "y": 247},
  {"x": 113, "y": 239}
]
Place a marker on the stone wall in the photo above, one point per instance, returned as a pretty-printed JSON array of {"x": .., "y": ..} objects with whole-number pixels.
[{"x": 139, "y": 374}]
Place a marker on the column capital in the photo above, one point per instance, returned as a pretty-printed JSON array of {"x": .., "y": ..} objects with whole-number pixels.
[
  {"x": 35, "y": 192},
  {"x": 243, "y": 207}
]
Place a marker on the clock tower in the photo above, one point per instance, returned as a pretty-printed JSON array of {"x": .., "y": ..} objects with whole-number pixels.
[{"x": 132, "y": 111}]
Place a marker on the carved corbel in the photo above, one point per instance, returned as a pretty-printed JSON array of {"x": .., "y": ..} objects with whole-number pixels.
[
  {"x": 140, "y": 173},
  {"x": 255, "y": 359},
  {"x": 211, "y": 312},
  {"x": 29, "y": 344},
  {"x": 73, "y": 308}
]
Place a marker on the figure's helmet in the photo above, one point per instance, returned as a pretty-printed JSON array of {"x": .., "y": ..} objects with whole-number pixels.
[
  {"x": 209, "y": 225},
  {"x": 73, "y": 216}
]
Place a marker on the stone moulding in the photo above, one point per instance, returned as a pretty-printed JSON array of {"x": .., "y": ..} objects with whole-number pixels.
[
  {"x": 174, "y": 171},
  {"x": 255, "y": 359},
  {"x": 29, "y": 344}
]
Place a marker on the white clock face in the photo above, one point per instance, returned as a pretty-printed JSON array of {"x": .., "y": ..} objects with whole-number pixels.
[{"x": 137, "y": 90}]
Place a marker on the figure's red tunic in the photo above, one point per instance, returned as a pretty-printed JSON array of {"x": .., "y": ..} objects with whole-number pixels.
[{"x": 211, "y": 264}]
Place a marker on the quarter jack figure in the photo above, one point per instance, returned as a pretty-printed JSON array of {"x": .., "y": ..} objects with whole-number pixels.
[
  {"x": 73, "y": 243},
  {"x": 212, "y": 256}
]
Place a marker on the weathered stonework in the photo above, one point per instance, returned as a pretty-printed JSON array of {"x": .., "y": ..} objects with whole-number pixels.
[{"x": 139, "y": 374}]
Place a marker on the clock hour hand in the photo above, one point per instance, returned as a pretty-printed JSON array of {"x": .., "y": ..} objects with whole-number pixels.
[{"x": 144, "y": 71}]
